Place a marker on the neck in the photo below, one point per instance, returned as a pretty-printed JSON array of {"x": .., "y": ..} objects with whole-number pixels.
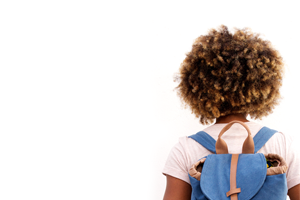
[{"x": 228, "y": 118}]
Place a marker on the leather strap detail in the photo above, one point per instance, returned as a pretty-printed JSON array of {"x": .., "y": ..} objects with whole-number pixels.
[
  {"x": 233, "y": 169},
  {"x": 248, "y": 146},
  {"x": 221, "y": 146},
  {"x": 234, "y": 191}
]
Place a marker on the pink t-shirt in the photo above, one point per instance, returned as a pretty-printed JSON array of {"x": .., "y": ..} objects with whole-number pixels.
[{"x": 187, "y": 151}]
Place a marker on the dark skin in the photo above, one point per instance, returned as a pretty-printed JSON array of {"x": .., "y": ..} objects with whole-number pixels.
[{"x": 177, "y": 189}]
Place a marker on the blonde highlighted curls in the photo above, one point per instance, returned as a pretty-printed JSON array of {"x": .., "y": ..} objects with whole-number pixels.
[{"x": 229, "y": 73}]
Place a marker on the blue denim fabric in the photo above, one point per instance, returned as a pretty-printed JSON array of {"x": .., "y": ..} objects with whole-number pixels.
[
  {"x": 262, "y": 137},
  {"x": 275, "y": 187},
  {"x": 205, "y": 140},
  {"x": 251, "y": 173},
  {"x": 251, "y": 178},
  {"x": 197, "y": 193}
]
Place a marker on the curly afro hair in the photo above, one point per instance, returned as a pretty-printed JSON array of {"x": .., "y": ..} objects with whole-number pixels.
[{"x": 227, "y": 73}]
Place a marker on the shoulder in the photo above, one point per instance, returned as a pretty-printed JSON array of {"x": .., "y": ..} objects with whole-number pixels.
[
  {"x": 280, "y": 140},
  {"x": 280, "y": 143},
  {"x": 189, "y": 148},
  {"x": 185, "y": 153}
]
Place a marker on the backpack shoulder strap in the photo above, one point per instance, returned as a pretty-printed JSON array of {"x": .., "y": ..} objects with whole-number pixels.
[
  {"x": 209, "y": 143},
  {"x": 262, "y": 136},
  {"x": 205, "y": 140}
]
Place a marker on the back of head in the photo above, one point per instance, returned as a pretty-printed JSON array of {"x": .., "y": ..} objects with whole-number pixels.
[{"x": 228, "y": 73}]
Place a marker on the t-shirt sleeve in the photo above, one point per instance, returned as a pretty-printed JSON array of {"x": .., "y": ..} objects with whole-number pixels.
[
  {"x": 293, "y": 162},
  {"x": 176, "y": 163}
]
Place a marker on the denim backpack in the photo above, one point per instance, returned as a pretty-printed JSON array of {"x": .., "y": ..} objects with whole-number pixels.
[{"x": 250, "y": 175}]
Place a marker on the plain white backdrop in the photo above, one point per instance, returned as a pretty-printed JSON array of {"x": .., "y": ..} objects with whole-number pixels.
[{"x": 87, "y": 107}]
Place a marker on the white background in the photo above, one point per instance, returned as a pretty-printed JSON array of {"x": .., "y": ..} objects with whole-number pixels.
[{"x": 87, "y": 107}]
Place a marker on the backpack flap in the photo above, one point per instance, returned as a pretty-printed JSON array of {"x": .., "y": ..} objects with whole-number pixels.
[{"x": 250, "y": 175}]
